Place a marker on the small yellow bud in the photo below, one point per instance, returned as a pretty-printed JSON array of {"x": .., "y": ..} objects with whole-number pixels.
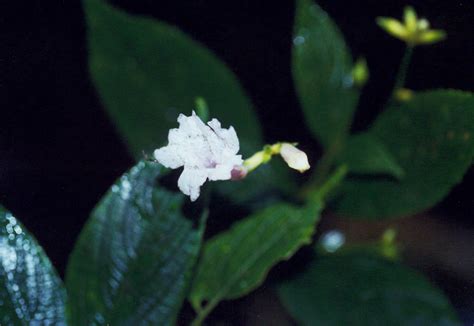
[
  {"x": 388, "y": 245},
  {"x": 295, "y": 158},
  {"x": 423, "y": 24},
  {"x": 388, "y": 237},
  {"x": 403, "y": 94}
]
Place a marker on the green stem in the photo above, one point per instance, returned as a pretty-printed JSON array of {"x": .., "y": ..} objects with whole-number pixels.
[
  {"x": 322, "y": 169},
  {"x": 202, "y": 314},
  {"x": 404, "y": 65},
  {"x": 325, "y": 163},
  {"x": 331, "y": 183}
]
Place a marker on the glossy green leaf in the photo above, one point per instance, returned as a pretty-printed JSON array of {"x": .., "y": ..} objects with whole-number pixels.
[
  {"x": 432, "y": 139},
  {"x": 362, "y": 289},
  {"x": 147, "y": 72},
  {"x": 236, "y": 262},
  {"x": 322, "y": 70},
  {"x": 132, "y": 262},
  {"x": 365, "y": 154},
  {"x": 31, "y": 292}
]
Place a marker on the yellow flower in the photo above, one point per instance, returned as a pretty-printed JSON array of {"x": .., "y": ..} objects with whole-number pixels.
[{"x": 412, "y": 30}]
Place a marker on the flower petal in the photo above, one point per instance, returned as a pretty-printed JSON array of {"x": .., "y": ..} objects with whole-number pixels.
[
  {"x": 431, "y": 36},
  {"x": 393, "y": 27},
  {"x": 223, "y": 169},
  {"x": 169, "y": 157},
  {"x": 229, "y": 136},
  {"x": 295, "y": 158},
  {"x": 191, "y": 180},
  {"x": 205, "y": 151}
]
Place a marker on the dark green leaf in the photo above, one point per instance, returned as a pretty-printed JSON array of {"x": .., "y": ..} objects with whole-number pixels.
[
  {"x": 364, "y": 290},
  {"x": 147, "y": 72},
  {"x": 237, "y": 261},
  {"x": 365, "y": 154},
  {"x": 31, "y": 293},
  {"x": 322, "y": 70},
  {"x": 132, "y": 262},
  {"x": 432, "y": 139}
]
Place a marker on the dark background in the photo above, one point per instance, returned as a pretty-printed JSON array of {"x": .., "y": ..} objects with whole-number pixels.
[{"x": 59, "y": 153}]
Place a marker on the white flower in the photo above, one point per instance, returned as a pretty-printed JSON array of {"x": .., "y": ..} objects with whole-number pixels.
[
  {"x": 205, "y": 151},
  {"x": 295, "y": 158}
]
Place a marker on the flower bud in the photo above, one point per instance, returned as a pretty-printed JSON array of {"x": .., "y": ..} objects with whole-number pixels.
[
  {"x": 295, "y": 158},
  {"x": 360, "y": 72}
]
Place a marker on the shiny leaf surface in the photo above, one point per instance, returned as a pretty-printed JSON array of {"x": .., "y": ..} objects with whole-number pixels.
[
  {"x": 132, "y": 262},
  {"x": 322, "y": 70},
  {"x": 364, "y": 290},
  {"x": 31, "y": 292},
  {"x": 236, "y": 262},
  {"x": 432, "y": 139}
]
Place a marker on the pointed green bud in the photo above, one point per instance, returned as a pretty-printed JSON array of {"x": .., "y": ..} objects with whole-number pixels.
[
  {"x": 388, "y": 244},
  {"x": 201, "y": 109},
  {"x": 360, "y": 72}
]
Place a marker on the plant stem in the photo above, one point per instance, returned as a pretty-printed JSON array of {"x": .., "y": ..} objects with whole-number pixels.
[
  {"x": 331, "y": 182},
  {"x": 322, "y": 169},
  {"x": 325, "y": 163},
  {"x": 404, "y": 65},
  {"x": 202, "y": 314}
]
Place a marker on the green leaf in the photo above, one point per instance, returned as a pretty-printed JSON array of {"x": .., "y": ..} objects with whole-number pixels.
[
  {"x": 364, "y": 290},
  {"x": 132, "y": 262},
  {"x": 432, "y": 139},
  {"x": 365, "y": 154},
  {"x": 236, "y": 262},
  {"x": 322, "y": 70},
  {"x": 31, "y": 292},
  {"x": 147, "y": 72}
]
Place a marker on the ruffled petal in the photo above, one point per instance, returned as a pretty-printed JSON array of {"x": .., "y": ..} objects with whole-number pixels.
[
  {"x": 228, "y": 136},
  {"x": 191, "y": 180},
  {"x": 169, "y": 157}
]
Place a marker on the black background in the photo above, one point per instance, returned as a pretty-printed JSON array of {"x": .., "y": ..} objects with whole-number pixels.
[{"x": 59, "y": 153}]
